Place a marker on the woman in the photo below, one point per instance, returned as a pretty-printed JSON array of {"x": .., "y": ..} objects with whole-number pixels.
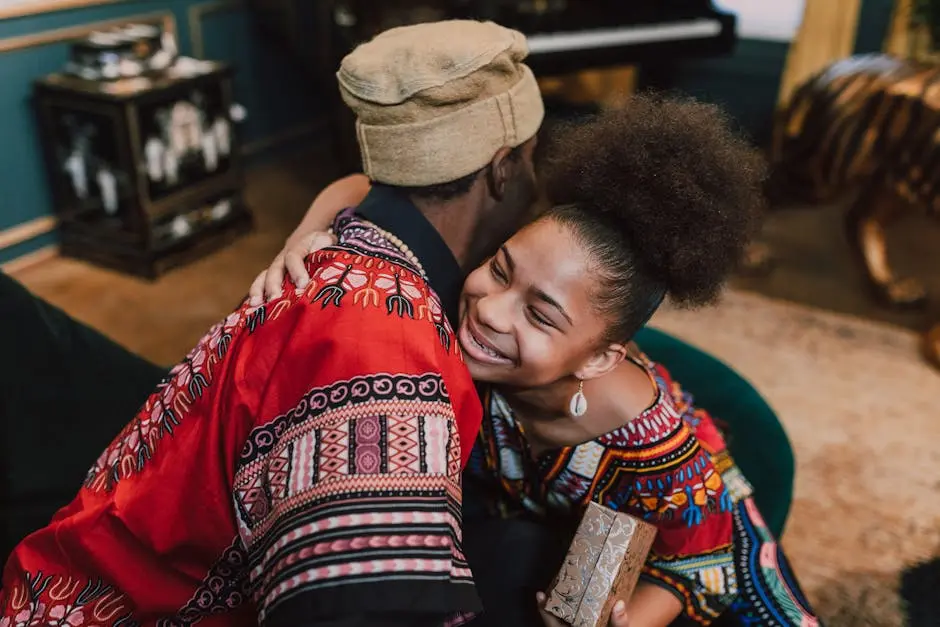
[{"x": 657, "y": 199}]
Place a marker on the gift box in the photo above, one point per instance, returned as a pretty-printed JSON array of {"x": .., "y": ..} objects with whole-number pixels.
[{"x": 602, "y": 566}]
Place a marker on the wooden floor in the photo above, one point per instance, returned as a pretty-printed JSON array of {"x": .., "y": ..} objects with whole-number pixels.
[{"x": 163, "y": 319}]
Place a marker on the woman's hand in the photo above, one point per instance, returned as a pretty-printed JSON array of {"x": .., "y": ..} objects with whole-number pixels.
[
  {"x": 309, "y": 236},
  {"x": 268, "y": 285},
  {"x": 618, "y": 618}
]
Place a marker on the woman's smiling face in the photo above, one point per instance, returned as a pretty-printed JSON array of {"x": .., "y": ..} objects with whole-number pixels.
[{"x": 526, "y": 314}]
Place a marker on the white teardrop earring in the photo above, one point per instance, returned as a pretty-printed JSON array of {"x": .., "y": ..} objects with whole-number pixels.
[{"x": 578, "y": 405}]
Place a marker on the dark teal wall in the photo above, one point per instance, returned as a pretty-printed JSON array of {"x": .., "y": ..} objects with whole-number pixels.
[
  {"x": 277, "y": 94},
  {"x": 747, "y": 82},
  {"x": 873, "y": 23},
  {"x": 276, "y": 91}
]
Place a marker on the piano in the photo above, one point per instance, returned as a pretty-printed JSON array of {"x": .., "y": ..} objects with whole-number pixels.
[
  {"x": 573, "y": 35},
  {"x": 565, "y": 36}
]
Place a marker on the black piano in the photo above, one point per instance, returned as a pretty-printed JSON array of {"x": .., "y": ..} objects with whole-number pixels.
[
  {"x": 564, "y": 36},
  {"x": 581, "y": 34}
]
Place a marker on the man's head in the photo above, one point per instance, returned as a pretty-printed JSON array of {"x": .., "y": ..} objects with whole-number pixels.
[{"x": 448, "y": 112}]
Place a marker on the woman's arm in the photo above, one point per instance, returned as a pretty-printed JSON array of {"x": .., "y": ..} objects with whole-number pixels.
[
  {"x": 309, "y": 236},
  {"x": 653, "y": 606},
  {"x": 338, "y": 195}
]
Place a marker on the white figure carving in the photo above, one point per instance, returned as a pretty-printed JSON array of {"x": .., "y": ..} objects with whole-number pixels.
[
  {"x": 180, "y": 227},
  {"x": 171, "y": 167},
  {"x": 237, "y": 113},
  {"x": 78, "y": 171},
  {"x": 221, "y": 209},
  {"x": 223, "y": 135},
  {"x": 153, "y": 156},
  {"x": 185, "y": 130},
  {"x": 210, "y": 152},
  {"x": 107, "y": 183},
  {"x": 186, "y": 133}
]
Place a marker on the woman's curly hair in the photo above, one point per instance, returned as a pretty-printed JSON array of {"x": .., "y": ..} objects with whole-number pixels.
[{"x": 664, "y": 193}]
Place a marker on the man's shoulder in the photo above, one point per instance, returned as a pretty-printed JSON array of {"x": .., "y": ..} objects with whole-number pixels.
[
  {"x": 358, "y": 308},
  {"x": 352, "y": 283}
]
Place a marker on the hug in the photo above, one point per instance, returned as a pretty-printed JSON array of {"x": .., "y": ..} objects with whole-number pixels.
[{"x": 405, "y": 430}]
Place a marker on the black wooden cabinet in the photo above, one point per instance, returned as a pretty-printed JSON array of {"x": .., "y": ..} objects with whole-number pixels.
[{"x": 145, "y": 172}]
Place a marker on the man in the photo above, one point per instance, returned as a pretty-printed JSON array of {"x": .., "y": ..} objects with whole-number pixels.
[{"x": 303, "y": 461}]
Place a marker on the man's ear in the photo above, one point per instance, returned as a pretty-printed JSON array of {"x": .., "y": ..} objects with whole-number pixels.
[
  {"x": 602, "y": 362},
  {"x": 500, "y": 172}
]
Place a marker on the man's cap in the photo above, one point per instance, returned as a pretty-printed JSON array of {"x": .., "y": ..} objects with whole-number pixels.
[{"x": 435, "y": 101}]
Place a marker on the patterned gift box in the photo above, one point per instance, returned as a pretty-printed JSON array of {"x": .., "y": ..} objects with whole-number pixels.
[{"x": 602, "y": 566}]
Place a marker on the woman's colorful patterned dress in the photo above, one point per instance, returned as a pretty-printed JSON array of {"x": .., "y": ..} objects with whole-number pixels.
[{"x": 671, "y": 467}]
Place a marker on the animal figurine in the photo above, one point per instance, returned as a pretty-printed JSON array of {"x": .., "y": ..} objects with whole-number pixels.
[{"x": 867, "y": 125}]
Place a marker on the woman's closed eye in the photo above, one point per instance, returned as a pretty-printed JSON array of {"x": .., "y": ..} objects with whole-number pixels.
[
  {"x": 501, "y": 270},
  {"x": 540, "y": 318},
  {"x": 498, "y": 273}
]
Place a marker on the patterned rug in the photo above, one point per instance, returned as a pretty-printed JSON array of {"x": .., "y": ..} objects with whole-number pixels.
[{"x": 861, "y": 410}]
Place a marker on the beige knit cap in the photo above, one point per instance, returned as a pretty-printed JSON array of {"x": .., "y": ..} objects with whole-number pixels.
[{"x": 435, "y": 101}]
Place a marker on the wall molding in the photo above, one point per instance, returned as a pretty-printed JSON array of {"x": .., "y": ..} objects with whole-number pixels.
[
  {"x": 37, "y": 7},
  {"x": 196, "y": 13},
  {"x": 68, "y": 33},
  {"x": 29, "y": 259},
  {"x": 26, "y": 231}
]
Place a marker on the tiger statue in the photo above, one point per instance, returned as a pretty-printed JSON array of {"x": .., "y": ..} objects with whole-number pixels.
[{"x": 867, "y": 125}]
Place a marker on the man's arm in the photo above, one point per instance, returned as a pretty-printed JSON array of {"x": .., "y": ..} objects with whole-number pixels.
[
  {"x": 309, "y": 236},
  {"x": 348, "y": 488}
]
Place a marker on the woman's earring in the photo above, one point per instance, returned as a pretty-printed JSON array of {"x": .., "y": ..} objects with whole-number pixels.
[{"x": 578, "y": 405}]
